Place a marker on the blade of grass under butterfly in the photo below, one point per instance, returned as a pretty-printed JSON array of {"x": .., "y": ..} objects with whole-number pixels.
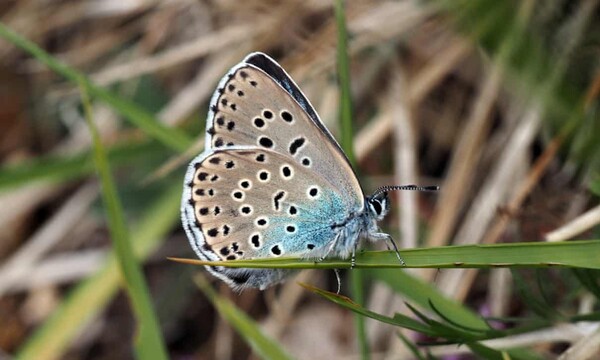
[
  {"x": 569, "y": 254},
  {"x": 171, "y": 137},
  {"x": 264, "y": 346},
  {"x": 149, "y": 342}
]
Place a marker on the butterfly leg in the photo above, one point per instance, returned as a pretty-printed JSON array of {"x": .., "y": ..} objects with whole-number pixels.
[
  {"x": 388, "y": 241},
  {"x": 339, "y": 281},
  {"x": 353, "y": 258},
  {"x": 330, "y": 248}
]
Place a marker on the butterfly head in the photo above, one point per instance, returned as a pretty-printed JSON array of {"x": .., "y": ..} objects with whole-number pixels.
[{"x": 378, "y": 205}]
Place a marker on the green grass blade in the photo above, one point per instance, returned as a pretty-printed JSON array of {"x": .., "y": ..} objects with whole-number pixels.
[
  {"x": 149, "y": 343},
  {"x": 411, "y": 347},
  {"x": 589, "y": 279},
  {"x": 570, "y": 254},
  {"x": 263, "y": 346},
  {"x": 347, "y": 137},
  {"x": 534, "y": 302},
  {"x": 425, "y": 295},
  {"x": 88, "y": 298},
  {"x": 357, "y": 289},
  {"x": 398, "y": 320},
  {"x": 171, "y": 137},
  {"x": 343, "y": 72},
  {"x": 58, "y": 169},
  {"x": 491, "y": 354}
]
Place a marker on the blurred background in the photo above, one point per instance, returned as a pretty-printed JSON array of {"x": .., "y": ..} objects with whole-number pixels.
[{"x": 494, "y": 101}]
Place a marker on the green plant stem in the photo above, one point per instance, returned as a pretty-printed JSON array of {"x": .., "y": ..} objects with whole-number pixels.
[
  {"x": 343, "y": 71},
  {"x": 149, "y": 342},
  {"x": 347, "y": 136}
]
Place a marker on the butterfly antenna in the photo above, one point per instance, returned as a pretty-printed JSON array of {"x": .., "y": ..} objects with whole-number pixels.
[{"x": 389, "y": 188}]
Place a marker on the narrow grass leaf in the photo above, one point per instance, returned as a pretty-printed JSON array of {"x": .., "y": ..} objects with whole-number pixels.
[
  {"x": 411, "y": 346},
  {"x": 535, "y": 303},
  {"x": 589, "y": 279},
  {"x": 572, "y": 254},
  {"x": 88, "y": 298},
  {"x": 425, "y": 295},
  {"x": 264, "y": 346},
  {"x": 347, "y": 137},
  {"x": 488, "y": 353},
  {"x": 398, "y": 320},
  {"x": 149, "y": 343}
]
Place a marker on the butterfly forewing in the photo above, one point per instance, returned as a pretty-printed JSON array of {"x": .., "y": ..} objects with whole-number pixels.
[
  {"x": 272, "y": 180},
  {"x": 252, "y": 108}
]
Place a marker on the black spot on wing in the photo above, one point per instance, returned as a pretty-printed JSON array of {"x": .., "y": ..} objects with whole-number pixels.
[
  {"x": 296, "y": 144},
  {"x": 240, "y": 278},
  {"x": 277, "y": 198},
  {"x": 280, "y": 77},
  {"x": 276, "y": 250}
]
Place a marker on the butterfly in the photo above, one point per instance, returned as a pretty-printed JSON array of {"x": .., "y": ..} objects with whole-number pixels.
[{"x": 273, "y": 181}]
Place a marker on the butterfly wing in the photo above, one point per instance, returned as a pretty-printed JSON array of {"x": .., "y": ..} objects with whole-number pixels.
[
  {"x": 258, "y": 104},
  {"x": 249, "y": 202},
  {"x": 256, "y": 203},
  {"x": 272, "y": 180}
]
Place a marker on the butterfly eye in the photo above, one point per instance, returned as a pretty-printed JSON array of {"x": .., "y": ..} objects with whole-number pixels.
[{"x": 376, "y": 207}]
